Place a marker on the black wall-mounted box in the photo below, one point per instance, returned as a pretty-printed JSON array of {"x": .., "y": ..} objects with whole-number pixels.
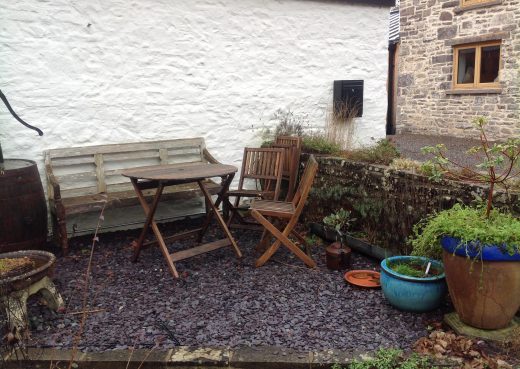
[{"x": 348, "y": 93}]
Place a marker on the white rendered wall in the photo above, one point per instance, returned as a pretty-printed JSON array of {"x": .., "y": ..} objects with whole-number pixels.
[{"x": 98, "y": 72}]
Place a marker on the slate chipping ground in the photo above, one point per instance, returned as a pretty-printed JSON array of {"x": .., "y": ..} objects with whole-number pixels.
[{"x": 219, "y": 301}]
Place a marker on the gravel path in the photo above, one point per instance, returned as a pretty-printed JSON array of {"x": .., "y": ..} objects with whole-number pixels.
[
  {"x": 219, "y": 301},
  {"x": 409, "y": 145}
]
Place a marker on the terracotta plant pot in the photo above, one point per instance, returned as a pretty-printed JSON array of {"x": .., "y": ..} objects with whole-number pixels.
[{"x": 486, "y": 294}]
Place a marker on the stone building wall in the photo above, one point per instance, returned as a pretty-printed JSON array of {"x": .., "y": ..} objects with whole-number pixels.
[
  {"x": 387, "y": 202},
  {"x": 429, "y": 29}
]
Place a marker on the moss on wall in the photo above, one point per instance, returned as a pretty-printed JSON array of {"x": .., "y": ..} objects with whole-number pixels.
[{"x": 386, "y": 202}]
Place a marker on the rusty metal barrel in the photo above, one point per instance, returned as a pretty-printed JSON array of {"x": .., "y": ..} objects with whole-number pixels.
[{"x": 23, "y": 210}]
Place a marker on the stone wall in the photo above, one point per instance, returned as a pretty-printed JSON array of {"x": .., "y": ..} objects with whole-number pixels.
[
  {"x": 387, "y": 203},
  {"x": 429, "y": 28}
]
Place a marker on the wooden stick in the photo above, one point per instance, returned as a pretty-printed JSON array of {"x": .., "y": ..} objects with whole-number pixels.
[{"x": 87, "y": 311}]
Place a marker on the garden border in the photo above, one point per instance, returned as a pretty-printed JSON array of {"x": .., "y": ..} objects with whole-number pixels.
[{"x": 266, "y": 357}]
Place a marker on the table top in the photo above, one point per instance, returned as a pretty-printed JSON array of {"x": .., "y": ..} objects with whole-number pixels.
[{"x": 180, "y": 172}]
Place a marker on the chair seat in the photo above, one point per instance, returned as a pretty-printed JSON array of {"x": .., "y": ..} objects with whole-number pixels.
[
  {"x": 249, "y": 193},
  {"x": 274, "y": 208}
]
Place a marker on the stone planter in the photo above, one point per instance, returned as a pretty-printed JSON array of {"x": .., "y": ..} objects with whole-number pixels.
[
  {"x": 16, "y": 288},
  {"x": 485, "y": 291},
  {"x": 411, "y": 293}
]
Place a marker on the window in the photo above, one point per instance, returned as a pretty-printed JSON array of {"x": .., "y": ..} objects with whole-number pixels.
[
  {"x": 464, "y": 3},
  {"x": 476, "y": 65}
]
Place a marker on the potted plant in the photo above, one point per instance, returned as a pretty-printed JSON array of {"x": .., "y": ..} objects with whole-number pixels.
[
  {"x": 480, "y": 246},
  {"x": 338, "y": 255},
  {"x": 413, "y": 283}
]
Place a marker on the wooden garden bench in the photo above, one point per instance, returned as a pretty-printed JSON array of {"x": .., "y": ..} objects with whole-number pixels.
[{"x": 78, "y": 178}]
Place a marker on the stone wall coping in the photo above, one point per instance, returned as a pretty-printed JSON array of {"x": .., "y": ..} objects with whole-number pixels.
[
  {"x": 344, "y": 162},
  {"x": 474, "y": 39},
  {"x": 462, "y": 9},
  {"x": 472, "y": 91}
]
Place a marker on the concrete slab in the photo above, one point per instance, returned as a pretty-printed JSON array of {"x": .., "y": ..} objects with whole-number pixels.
[
  {"x": 453, "y": 320},
  {"x": 200, "y": 356},
  {"x": 324, "y": 359},
  {"x": 269, "y": 357}
]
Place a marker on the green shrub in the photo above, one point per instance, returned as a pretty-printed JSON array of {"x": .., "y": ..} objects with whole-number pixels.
[{"x": 317, "y": 144}]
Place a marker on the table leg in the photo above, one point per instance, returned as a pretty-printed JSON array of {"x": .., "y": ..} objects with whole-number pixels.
[
  {"x": 220, "y": 198},
  {"x": 215, "y": 212},
  {"x": 150, "y": 212}
]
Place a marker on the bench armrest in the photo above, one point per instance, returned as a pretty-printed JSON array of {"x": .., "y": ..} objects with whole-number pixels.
[{"x": 209, "y": 157}]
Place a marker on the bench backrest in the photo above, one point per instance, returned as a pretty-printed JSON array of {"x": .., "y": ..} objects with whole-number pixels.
[{"x": 93, "y": 169}]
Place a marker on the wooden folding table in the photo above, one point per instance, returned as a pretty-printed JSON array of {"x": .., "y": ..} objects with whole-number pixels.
[{"x": 161, "y": 176}]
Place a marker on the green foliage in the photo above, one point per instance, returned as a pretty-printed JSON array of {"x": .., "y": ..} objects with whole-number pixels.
[
  {"x": 339, "y": 221},
  {"x": 499, "y": 162},
  {"x": 368, "y": 207},
  {"x": 313, "y": 240},
  {"x": 318, "y": 144},
  {"x": 414, "y": 267},
  {"x": 382, "y": 153},
  {"x": 331, "y": 193},
  {"x": 390, "y": 359},
  {"x": 469, "y": 225}
]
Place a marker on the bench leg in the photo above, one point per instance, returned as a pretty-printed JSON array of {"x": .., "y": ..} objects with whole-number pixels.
[{"x": 59, "y": 225}]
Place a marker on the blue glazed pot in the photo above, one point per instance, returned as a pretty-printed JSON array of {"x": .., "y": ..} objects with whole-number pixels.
[
  {"x": 489, "y": 253},
  {"x": 411, "y": 293}
]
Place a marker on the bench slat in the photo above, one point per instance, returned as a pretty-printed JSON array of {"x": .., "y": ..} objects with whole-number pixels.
[
  {"x": 88, "y": 203},
  {"x": 137, "y": 154},
  {"x": 70, "y": 178},
  {"x": 78, "y": 191},
  {"x": 125, "y": 147},
  {"x": 64, "y": 162}
]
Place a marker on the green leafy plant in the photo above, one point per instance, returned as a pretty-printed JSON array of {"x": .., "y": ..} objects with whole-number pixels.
[
  {"x": 498, "y": 166},
  {"x": 390, "y": 359},
  {"x": 481, "y": 225},
  {"x": 469, "y": 225},
  {"x": 313, "y": 240},
  {"x": 338, "y": 221}
]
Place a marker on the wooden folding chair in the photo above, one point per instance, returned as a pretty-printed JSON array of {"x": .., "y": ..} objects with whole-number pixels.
[
  {"x": 288, "y": 211},
  {"x": 262, "y": 165}
]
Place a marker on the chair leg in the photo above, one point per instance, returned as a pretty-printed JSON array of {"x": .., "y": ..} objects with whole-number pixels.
[
  {"x": 303, "y": 241},
  {"x": 264, "y": 240},
  {"x": 281, "y": 238}
]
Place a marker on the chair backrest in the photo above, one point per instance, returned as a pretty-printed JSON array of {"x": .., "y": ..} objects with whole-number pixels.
[
  {"x": 291, "y": 163},
  {"x": 290, "y": 140},
  {"x": 264, "y": 166},
  {"x": 311, "y": 168}
]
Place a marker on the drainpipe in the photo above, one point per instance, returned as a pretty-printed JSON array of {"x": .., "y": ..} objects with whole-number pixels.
[{"x": 4, "y": 99}]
